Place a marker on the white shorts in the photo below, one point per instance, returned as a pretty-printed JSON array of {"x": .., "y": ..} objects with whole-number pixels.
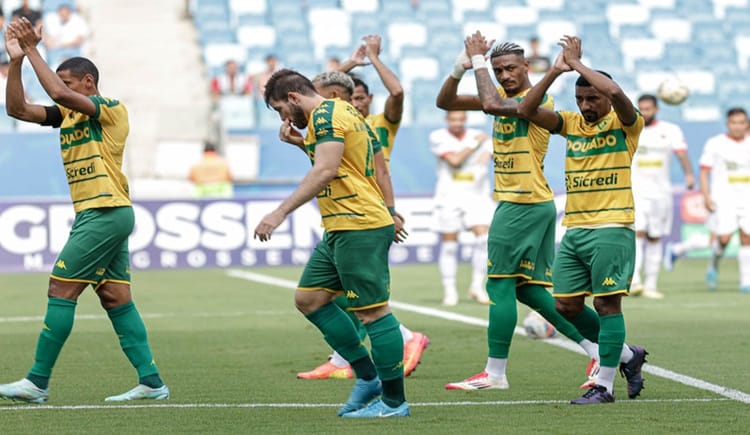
[
  {"x": 471, "y": 211},
  {"x": 653, "y": 216},
  {"x": 729, "y": 217}
]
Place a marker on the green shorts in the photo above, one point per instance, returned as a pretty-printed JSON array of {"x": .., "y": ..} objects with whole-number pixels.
[
  {"x": 521, "y": 242},
  {"x": 352, "y": 263},
  {"x": 594, "y": 261},
  {"x": 97, "y": 248}
]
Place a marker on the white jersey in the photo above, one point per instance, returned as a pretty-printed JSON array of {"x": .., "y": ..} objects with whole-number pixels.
[
  {"x": 729, "y": 161},
  {"x": 471, "y": 178},
  {"x": 650, "y": 168}
]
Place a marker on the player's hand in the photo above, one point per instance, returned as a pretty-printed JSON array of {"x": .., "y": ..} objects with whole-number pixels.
[
  {"x": 709, "y": 203},
  {"x": 572, "y": 48},
  {"x": 560, "y": 64},
  {"x": 12, "y": 47},
  {"x": 480, "y": 138},
  {"x": 372, "y": 45},
  {"x": 689, "y": 181},
  {"x": 476, "y": 44},
  {"x": 270, "y": 222},
  {"x": 358, "y": 57},
  {"x": 401, "y": 233},
  {"x": 28, "y": 36},
  {"x": 291, "y": 135}
]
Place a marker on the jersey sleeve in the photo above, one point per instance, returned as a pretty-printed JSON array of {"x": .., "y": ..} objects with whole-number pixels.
[
  {"x": 678, "y": 140},
  {"x": 108, "y": 111},
  {"x": 324, "y": 129},
  {"x": 708, "y": 157},
  {"x": 437, "y": 145}
]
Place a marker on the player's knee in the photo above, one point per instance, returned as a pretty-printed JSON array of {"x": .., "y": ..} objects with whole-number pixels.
[{"x": 568, "y": 307}]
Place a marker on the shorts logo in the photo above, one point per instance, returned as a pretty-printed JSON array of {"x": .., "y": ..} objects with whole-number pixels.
[
  {"x": 489, "y": 263},
  {"x": 608, "y": 281},
  {"x": 526, "y": 264},
  {"x": 350, "y": 294},
  {"x": 60, "y": 264},
  {"x": 548, "y": 272},
  {"x": 100, "y": 271}
]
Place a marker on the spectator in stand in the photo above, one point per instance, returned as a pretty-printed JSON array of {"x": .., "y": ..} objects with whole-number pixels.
[
  {"x": 537, "y": 62},
  {"x": 65, "y": 35},
  {"x": 26, "y": 11},
  {"x": 211, "y": 176},
  {"x": 231, "y": 81},
  {"x": 272, "y": 65}
]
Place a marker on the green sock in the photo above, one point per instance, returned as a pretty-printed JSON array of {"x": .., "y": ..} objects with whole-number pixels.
[
  {"x": 539, "y": 299},
  {"x": 58, "y": 322},
  {"x": 130, "y": 329},
  {"x": 338, "y": 331},
  {"x": 388, "y": 355},
  {"x": 344, "y": 305},
  {"x": 503, "y": 316},
  {"x": 611, "y": 339},
  {"x": 587, "y": 323}
]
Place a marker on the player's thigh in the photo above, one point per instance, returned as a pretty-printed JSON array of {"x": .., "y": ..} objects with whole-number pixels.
[
  {"x": 447, "y": 218},
  {"x": 725, "y": 219},
  {"x": 571, "y": 275},
  {"x": 320, "y": 272},
  {"x": 612, "y": 260},
  {"x": 361, "y": 259},
  {"x": 96, "y": 240},
  {"x": 478, "y": 211}
]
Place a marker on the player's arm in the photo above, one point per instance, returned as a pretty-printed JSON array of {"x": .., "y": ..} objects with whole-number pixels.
[
  {"x": 383, "y": 178},
  {"x": 290, "y": 135},
  {"x": 15, "y": 100},
  {"x": 448, "y": 98},
  {"x": 356, "y": 59},
  {"x": 705, "y": 188},
  {"x": 394, "y": 104},
  {"x": 687, "y": 168},
  {"x": 476, "y": 46},
  {"x": 28, "y": 38},
  {"x": 327, "y": 160},
  {"x": 529, "y": 107},
  {"x": 622, "y": 105},
  {"x": 456, "y": 159}
]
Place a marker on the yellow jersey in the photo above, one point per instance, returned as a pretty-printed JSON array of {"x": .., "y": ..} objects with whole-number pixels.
[
  {"x": 92, "y": 149},
  {"x": 352, "y": 200},
  {"x": 385, "y": 131},
  {"x": 519, "y": 148},
  {"x": 598, "y": 157}
]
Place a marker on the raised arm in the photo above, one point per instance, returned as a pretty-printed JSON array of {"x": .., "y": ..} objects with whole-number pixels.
[
  {"x": 622, "y": 105},
  {"x": 448, "y": 98},
  {"x": 492, "y": 103},
  {"x": 28, "y": 38},
  {"x": 529, "y": 106},
  {"x": 394, "y": 104},
  {"x": 15, "y": 101}
]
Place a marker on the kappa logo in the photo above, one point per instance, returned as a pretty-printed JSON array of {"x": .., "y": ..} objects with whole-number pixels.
[
  {"x": 60, "y": 264},
  {"x": 100, "y": 271},
  {"x": 526, "y": 264},
  {"x": 608, "y": 281},
  {"x": 320, "y": 120},
  {"x": 351, "y": 294}
]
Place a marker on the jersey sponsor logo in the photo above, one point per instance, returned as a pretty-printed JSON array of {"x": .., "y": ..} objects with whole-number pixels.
[
  {"x": 80, "y": 133},
  {"x": 739, "y": 179},
  {"x": 609, "y": 282},
  {"x": 351, "y": 294},
  {"x": 609, "y": 142},
  {"x": 74, "y": 172},
  {"x": 650, "y": 163},
  {"x": 575, "y": 182},
  {"x": 60, "y": 264},
  {"x": 505, "y": 129},
  {"x": 508, "y": 163}
]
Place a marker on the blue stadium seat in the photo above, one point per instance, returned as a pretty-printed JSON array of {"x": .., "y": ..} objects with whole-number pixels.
[
  {"x": 393, "y": 10},
  {"x": 678, "y": 55},
  {"x": 218, "y": 35},
  {"x": 7, "y": 124},
  {"x": 695, "y": 9},
  {"x": 366, "y": 24},
  {"x": 710, "y": 31}
]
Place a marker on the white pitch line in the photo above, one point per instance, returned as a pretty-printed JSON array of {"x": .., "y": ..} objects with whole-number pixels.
[
  {"x": 31, "y": 407},
  {"x": 727, "y": 392}
]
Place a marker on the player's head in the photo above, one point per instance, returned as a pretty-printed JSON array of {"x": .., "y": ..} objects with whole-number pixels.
[
  {"x": 80, "y": 75},
  {"x": 648, "y": 105},
  {"x": 284, "y": 92},
  {"x": 737, "y": 123},
  {"x": 456, "y": 121},
  {"x": 361, "y": 97},
  {"x": 592, "y": 103},
  {"x": 334, "y": 84},
  {"x": 510, "y": 67}
]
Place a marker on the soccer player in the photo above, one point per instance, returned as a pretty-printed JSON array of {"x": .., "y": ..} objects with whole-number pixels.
[
  {"x": 93, "y": 131},
  {"x": 652, "y": 193},
  {"x": 726, "y": 158},
  {"x": 352, "y": 257},
  {"x": 597, "y": 252},
  {"x": 522, "y": 233},
  {"x": 337, "y": 84},
  {"x": 462, "y": 201}
]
